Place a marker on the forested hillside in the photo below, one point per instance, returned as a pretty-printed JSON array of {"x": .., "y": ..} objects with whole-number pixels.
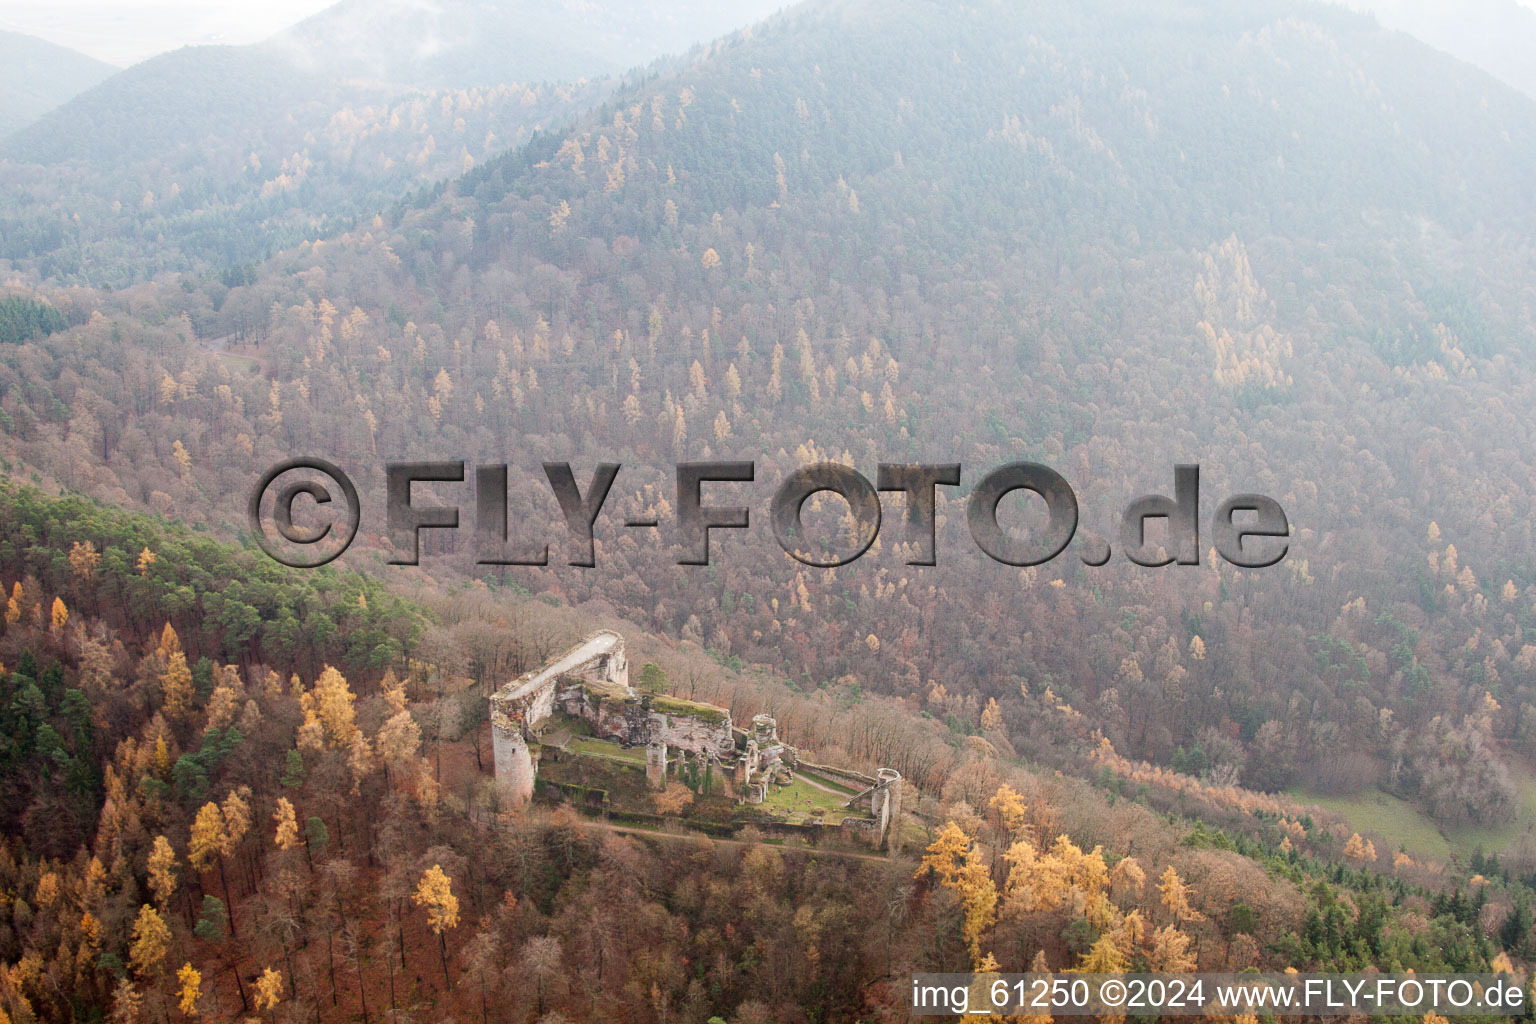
[
  {"x": 1102, "y": 239},
  {"x": 1275, "y": 240},
  {"x": 209, "y": 158},
  {"x": 234, "y": 789}
]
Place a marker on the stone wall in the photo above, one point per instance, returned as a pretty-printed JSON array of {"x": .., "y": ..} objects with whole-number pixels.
[
  {"x": 880, "y": 795},
  {"x": 622, "y": 720},
  {"x": 537, "y": 705},
  {"x": 694, "y": 735},
  {"x": 862, "y": 830},
  {"x": 656, "y": 765},
  {"x": 885, "y": 801},
  {"x": 521, "y": 705},
  {"x": 857, "y": 781},
  {"x": 590, "y": 682}
]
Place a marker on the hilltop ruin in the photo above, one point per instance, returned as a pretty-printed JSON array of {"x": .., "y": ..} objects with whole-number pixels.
[{"x": 590, "y": 683}]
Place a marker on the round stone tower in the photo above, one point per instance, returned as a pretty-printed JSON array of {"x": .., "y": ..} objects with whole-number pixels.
[{"x": 514, "y": 764}]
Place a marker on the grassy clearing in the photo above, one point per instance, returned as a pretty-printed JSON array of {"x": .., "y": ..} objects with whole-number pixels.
[
  {"x": 602, "y": 689},
  {"x": 240, "y": 364},
  {"x": 1386, "y": 815},
  {"x": 801, "y": 798},
  {"x": 1401, "y": 822},
  {"x": 688, "y": 709},
  {"x": 591, "y": 747},
  {"x": 829, "y": 783}
]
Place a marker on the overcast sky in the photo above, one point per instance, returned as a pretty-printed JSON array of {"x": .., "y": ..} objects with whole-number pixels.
[{"x": 123, "y": 32}]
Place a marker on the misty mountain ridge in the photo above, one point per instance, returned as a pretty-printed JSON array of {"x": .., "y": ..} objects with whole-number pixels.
[
  {"x": 358, "y": 52},
  {"x": 221, "y": 154},
  {"x": 448, "y": 44},
  {"x": 1498, "y": 36},
  {"x": 36, "y": 76}
]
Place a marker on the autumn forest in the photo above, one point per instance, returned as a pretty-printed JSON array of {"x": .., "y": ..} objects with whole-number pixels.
[{"x": 1275, "y": 239}]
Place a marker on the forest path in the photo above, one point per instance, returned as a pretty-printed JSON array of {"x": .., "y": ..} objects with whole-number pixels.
[
  {"x": 635, "y": 830},
  {"x": 821, "y": 786},
  {"x": 816, "y": 851}
]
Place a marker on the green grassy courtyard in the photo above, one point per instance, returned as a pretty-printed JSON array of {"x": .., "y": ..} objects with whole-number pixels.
[
  {"x": 592, "y": 747},
  {"x": 801, "y": 798}
]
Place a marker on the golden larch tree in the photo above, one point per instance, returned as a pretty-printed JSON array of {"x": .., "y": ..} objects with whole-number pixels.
[
  {"x": 1359, "y": 850},
  {"x": 1103, "y": 957},
  {"x": 331, "y": 705},
  {"x": 979, "y": 895},
  {"x": 206, "y": 846},
  {"x": 435, "y": 893},
  {"x": 287, "y": 824},
  {"x": 183, "y": 458},
  {"x": 1127, "y": 878},
  {"x": 162, "y": 871},
  {"x": 1010, "y": 807},
  {"x": 991, "y": 715},
  {"x": 1175, "y": 896},
  {"x": 1170, "y": 951},
  {"x": 83, "y": 559},
  {"x": 176, "y": 685},
  {"x": 151, "y": 941},
  {"x": 269, "y": 989},
  {"x": 946, "y": 853},
  {"x": 47, "y": 893},
  {"x": 191, "y": 987},
  {"x": 959, "y": 866},
  {"x": 237, "y": 820}
]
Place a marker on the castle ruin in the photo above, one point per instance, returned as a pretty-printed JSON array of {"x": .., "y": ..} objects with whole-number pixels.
[{"x": 590, "y": 683}]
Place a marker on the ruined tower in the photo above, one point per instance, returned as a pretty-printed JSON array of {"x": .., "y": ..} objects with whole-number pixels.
[
  {"x": 656, "y": 764},
  {"x": 885, "y": 802},
  {"x": 590, "y": 683},
  {"x": 518, "y": 708},
  {"x": 514, "y": 763},
  {"x": 765, "y": 730}
]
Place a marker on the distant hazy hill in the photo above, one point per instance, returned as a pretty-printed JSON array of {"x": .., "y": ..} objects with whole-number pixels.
[
  {"x": 220, "y": 154},
  {"x": 460, "y": 43},
  {"x": 36, "y": 76},
  {"x": 1498, "y": 36},
  {"x": 358, "y": 52},
  {"x": 168, "y": 100}
]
